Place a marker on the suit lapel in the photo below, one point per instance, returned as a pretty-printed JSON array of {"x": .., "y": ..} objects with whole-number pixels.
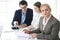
[
  {"x": 48, "y": 25},
  {"x": 41, "y": 24}
]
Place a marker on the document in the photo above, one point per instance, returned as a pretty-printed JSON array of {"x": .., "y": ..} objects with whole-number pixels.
[{"x": 21, "y": 34}]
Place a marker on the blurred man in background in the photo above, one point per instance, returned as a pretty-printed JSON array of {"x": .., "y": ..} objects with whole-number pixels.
[{"x": 23, "y": 16}]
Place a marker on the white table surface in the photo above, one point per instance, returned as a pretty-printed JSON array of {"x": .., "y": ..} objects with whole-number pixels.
[{"x": 15, "y": 35}]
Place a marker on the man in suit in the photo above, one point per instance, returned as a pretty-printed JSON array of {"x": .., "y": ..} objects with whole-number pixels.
[
  {"x": 48, "y": 26},
  {"x": 23, "y": 16}
]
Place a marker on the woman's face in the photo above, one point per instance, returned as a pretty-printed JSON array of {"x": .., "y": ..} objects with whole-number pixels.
[
  {"x": 45, "y": 11},
  {"x": 36, "y": 9}
]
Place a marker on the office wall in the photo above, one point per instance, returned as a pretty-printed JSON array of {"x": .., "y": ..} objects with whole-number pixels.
[
  {"x": 3, "y": 12},
  {"x": 58, "y": 9}
]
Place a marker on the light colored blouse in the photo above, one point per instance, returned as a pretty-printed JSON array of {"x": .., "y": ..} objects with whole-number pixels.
[
  {"x": 35, "y": 21},
  {"x": 45, "y": 21}
]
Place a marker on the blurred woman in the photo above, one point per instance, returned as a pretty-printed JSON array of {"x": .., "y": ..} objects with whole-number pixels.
[{"x": 36, "y": 16}]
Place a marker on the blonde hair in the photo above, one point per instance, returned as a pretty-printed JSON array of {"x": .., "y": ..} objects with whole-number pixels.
[{"x": 45, "y": 5}]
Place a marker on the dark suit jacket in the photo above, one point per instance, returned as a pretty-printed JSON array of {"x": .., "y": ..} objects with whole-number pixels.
[
  {"x": 18, "y": 15},
  {"x": 50, "y": 31}
]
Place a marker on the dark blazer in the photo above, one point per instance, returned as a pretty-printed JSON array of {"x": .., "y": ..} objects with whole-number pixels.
[
  {"x": 18, "y": 15},
  {"x": 50, "y": 31}
]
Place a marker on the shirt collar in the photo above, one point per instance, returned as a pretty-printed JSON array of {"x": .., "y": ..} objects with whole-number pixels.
[{"x": 45, "y": 21}]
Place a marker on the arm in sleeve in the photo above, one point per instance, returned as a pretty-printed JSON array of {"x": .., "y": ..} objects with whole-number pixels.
[
  {"x": 15, "y": 17},
  {"x": 53, "y": 35},
  {"x": 35, "y": 31}
]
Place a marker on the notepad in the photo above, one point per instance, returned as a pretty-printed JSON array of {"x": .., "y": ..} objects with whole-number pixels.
[{"x": 20, "y": 33}]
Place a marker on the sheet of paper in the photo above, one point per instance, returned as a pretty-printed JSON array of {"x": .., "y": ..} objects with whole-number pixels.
[{"x": 20, "y": 33}]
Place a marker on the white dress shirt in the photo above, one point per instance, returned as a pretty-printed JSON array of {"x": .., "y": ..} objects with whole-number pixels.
[
  {"x": 35, "y": 21},
  {"x": 45, "y": 21}
]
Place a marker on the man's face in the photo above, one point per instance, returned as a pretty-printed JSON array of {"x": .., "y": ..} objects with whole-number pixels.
[{"x": 23, "y": 7}]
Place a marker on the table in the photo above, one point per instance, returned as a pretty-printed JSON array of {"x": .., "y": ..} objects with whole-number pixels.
[{"x": 15, "y": 35}]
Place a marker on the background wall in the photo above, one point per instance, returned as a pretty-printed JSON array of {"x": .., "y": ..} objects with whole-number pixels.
[{"x": 8, "y": 7}]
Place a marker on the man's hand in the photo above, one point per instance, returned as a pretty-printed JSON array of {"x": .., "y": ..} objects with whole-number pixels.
[
  {"x": 33, "y": 35},
  {"x": 15, "y": 23},
  {"x": 22, "y": 26}
]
